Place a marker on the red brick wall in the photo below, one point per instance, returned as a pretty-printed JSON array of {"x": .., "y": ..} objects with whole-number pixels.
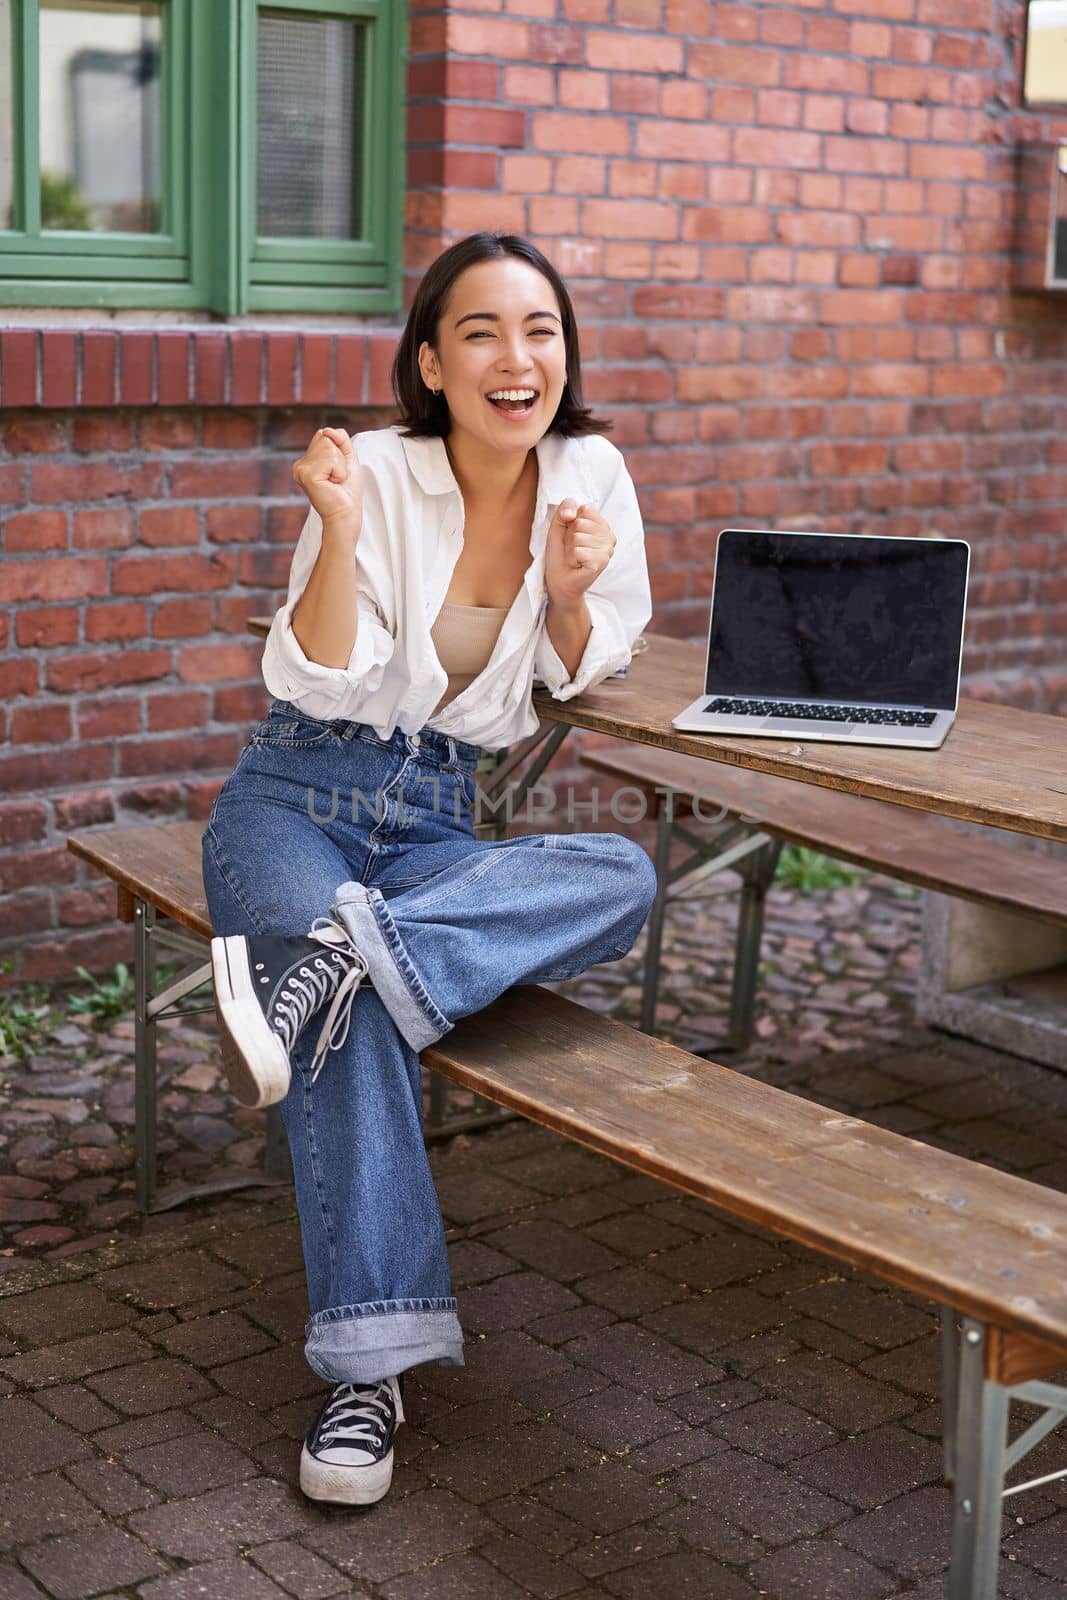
[{"x": 788, "y": 230}]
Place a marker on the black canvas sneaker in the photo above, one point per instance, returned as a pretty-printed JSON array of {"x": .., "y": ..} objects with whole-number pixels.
[
  {"x": 267, "y": 989},
  {"x": 348, "y": 1453}
]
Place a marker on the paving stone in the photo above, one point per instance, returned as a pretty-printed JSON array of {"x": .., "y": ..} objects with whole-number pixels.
[
  {"x": 151, "y": 1386},
  {"x": 459, "y": 1577},
  {"x": 703, "y": 1405},
  {"x": 300, "y": 1572},
  {"x": 513, "y": 1301},
  {"x": 630, "y": 1291},
  {"x": 674, "y": 1450},
  {"x": 559, "y": 1171},
  {"x": 708, "y": 1322},
  {"x": 76, "y": 1308},
  {"x": 78, "y": 1565},
  {"x": 835, "y": 1392},
  {"x": 530, "y": 1567},
  {"x": 235, "y": 1419},
  {"x": 173, "y": 1281},
  {"x": 638, "y": 1233},
  {"x": 401, "y": 1536},
  {"x": 910, "y": 1536},
  {"x": 639, "y": 1359},
  {"x": 557, "y": 1251},
  {"x": 616, "y": 1419},
  {"x": 688, "y": 1575},
  {"x": 150, "y": 1429},
  {"x": 32, "y": 1442},
  {"x": 630, "y": 1547},
  {"x": 77, "y": 1406},
  {"x": 703, "y": 1529},
  {"x": 607, "y": 1496},
  {"x": 873, "y": 1468},
  {"x": 564, "y": 1325},
  {"x": 874, "y": 1316},
  {"x": 818, "y": 1570},
  {"x": 190, "y": 1465},
  {"x": 213, "y": 1340},
  {"x": 915, "y": 1367},
  {"x": 1043, "y": 1546},
  {"x": 829, "y": 1341},
  {"x": 464, "y": 1198},
  {"x": 282, "y": 1313},
  {"x": 236, "y": 1580},
  {"x": 763, "y": 1499},
  {"x": 264, "y": 1252},
  {"x": 775, "y": 1431},
  {"x": 528, "y": 1518},
  {"x": 482, "y": 1468},
  {"x": 449, "y": 1424},
  {"x": 39, "y": 1506},
  {"x": 722, "y": 1258},
  {"x": 470, "y": 1262},
  {"x": 113, "y": 1489},
  {"x": 59, "y": 1363},
  {"x": 221, "y": 1522},
  {"x": 15, "y": 1585}
]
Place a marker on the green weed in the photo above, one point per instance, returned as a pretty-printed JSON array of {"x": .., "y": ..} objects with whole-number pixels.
[
  {"x": 108, "y": 997},
  {"x": 807, "y": 870},
  {"x": 26, "y": 1016}
]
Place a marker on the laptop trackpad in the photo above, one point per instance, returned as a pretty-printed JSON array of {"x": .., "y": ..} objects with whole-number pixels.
[{"x": 802, "y": 727}]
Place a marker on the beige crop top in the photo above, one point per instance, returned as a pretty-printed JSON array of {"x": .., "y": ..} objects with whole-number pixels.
[{"x": 464, "y": 638}]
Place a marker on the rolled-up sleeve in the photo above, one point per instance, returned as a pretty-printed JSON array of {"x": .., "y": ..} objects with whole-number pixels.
[
  {"x": 334, "y": 691},
  {"x": 619, "y": 600}
]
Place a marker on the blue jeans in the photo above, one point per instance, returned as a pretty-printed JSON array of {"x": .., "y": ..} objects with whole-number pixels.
[{"x": 320, "y": 816}]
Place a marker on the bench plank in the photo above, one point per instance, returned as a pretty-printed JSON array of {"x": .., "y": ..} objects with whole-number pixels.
[
  {"x": 159, "y": 863},
  {"x": 989, "y": 1244},
  {"x": 909, "y": 845}
]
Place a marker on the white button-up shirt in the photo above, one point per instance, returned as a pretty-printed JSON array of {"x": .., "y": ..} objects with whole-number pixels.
[{"x": 410, "y": 543}]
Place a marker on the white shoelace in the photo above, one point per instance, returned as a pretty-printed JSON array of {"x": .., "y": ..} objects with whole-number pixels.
[
  {"x": 339, "y": 1016},
  {"x": 356, "y": 1415}
]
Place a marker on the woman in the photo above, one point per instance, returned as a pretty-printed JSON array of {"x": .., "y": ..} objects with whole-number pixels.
[{"x": 490, "y": 538}]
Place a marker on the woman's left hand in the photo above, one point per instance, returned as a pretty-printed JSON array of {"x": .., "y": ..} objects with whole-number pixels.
[{"x": 580, "y": 545}]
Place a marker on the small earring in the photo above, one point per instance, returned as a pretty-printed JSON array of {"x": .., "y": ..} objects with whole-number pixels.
[{"x": 434, "y": 389}]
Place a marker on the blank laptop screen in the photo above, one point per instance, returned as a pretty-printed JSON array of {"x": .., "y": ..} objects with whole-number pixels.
[{"x": 838, "y": 617}]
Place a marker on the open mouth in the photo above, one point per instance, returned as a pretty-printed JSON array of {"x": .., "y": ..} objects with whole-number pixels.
[{"x": 513, "y": 402}]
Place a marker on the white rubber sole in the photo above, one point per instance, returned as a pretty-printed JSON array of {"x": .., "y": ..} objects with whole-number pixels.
[
  {"x": 345, "y": 1486},
  {"x": 253, "y": 1057}
]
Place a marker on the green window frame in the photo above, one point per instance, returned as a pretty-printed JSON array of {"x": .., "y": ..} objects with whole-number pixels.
[{"x": 206, "y": 254}]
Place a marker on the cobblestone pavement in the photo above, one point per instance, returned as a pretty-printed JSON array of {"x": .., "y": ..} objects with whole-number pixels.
[{"x": 656, "y": 1402}]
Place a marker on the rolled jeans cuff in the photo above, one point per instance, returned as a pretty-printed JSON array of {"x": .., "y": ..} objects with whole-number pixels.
[
  {"x": 364, "y": 1343},
  {"x": 390, "y": 968}
]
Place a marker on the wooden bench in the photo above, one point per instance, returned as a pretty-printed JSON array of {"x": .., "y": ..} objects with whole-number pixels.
[
  {"x": 989, "y": 1248},
  {"x": 757, "y": 813}
]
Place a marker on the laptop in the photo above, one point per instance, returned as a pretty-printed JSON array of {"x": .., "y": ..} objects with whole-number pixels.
[{"x": 851, "y": 637}]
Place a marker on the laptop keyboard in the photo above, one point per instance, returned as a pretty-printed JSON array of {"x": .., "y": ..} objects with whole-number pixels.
[{"x": 882, "y": 715}]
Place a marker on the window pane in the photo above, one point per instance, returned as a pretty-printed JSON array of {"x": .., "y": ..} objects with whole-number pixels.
[
  {"x": 7, "y": 118},
  {"x": 309, "y": 85},
  {"x": 1046, "y": 53},
  {"x": 1059, "y": 245},
  {"x": 101, "y": 126}
]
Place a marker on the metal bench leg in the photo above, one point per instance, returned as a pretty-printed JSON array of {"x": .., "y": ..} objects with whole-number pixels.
[
  {"x": 950, "y": 1387},
  {"x": 144, "y": 1094},
  {"x": 650, "y": 982},
  {"x": 981, "y": 1433},
  {"x": 757, "y": 872}
]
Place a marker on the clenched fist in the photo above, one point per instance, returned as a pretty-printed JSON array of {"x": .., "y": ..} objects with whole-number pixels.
[
  {"x": 580, "y": 545},
  {"x": 330, "y": 475}
]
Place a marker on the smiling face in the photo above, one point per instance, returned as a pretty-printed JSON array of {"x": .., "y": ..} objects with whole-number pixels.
[{"x": 500, "y": 358}]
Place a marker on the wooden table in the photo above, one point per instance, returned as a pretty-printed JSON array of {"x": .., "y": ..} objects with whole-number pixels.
[{"x": 999, "y": 766}]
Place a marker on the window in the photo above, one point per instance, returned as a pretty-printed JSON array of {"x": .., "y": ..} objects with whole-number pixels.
[
  {"x": 228, "y": 155},
  {"x": 1045, "y": 72}
]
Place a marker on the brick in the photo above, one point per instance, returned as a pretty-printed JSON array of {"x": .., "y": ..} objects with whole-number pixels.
[
  {"x": 35, "y": 530},
  {"x": 59, "y": 367},
  {"x": 81, "y": 481},
  {"x": 103, "y": 431},
  {"x": 35, "y": 435},
  {"x": 117, "y": 621},
  {"x": 190, "y": 1465},
  {"x": 168, "y": 430},
  {"x": 681, "y": 141},
  {"x": 229, "y": 430},
  {"x": 282, "y": 350},
  {"x": 99, "y": 386},
  {"x": 213, "y": 663},
  {"x": 136, "y": 363},
  {"x": 99, "y": 671},
  {"x": 34, "y": 1442},
  {"x": 167, "y": 712},
  {"x": 299, "y": 1571},
  {"x": 235, "y": 1579},
  {"x": 186, "y": 1276},
  {"x": 110, "y": 529},
  {"x": 191, "y": 574},
  {"x": 76, "y": 1308},
  {"x": 221, "y": 1521},
  {"x": 209, "y": 360},
  {"x": 173, "y": 362},
  {"x": 567, "y": 133},
  {"x": 78, "y": 1357},
  {"x": 735, "y": 64},
  {"x": 246, "y": 368},
  {"x": 169, "y": 525},
  {"x": 173, "y": 619},
  {"x": 18, "y": 367},
  {"x": 150, "y": 1386},
  {"x": 115, "y": 1491},
  {"x": 41, "y": 723}
]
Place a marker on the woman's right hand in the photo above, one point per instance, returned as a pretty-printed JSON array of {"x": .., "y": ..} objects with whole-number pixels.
[{"x": 330, "y": 475}]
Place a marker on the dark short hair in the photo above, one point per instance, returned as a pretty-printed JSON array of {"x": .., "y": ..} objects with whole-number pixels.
[{"x": 425, "y": 415}]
